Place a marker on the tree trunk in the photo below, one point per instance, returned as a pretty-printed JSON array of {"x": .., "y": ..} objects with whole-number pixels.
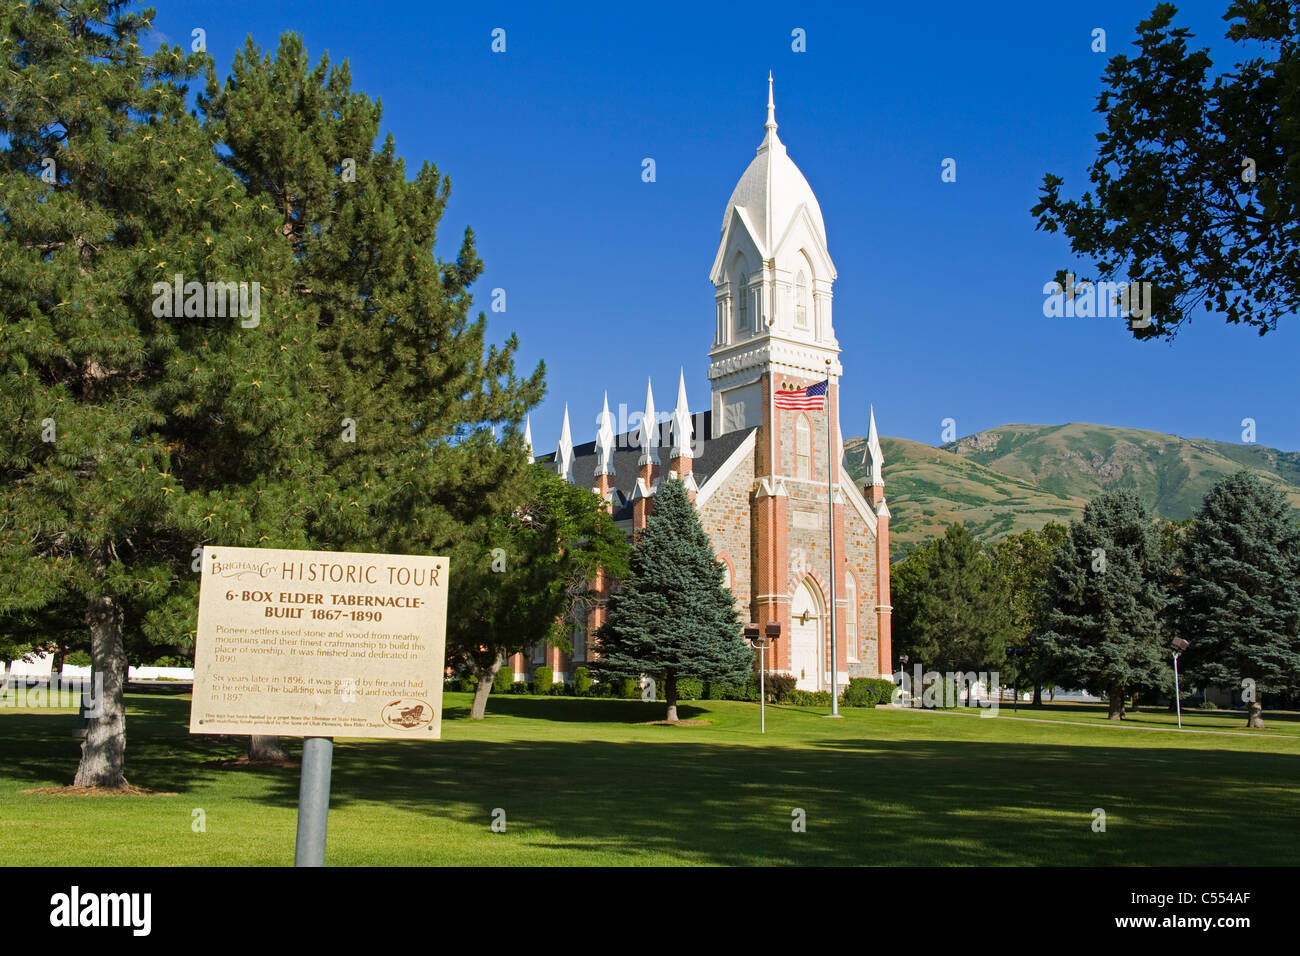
[
  {"x": 1133, "y": 707},
  {"x": 103, "y": 753},
  {"x": 1116, "y": 700},
  {"x": 1255, "y": 715},
  {"x": 969, "y": 685},
  {"x": 670, "y": 695},
  {"x": 265, "y": 748},
  {"x": 484, "y": 687},
  {"x": 1038, "y": 693}
]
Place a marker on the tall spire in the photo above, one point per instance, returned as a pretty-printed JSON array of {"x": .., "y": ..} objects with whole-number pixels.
[
  {"x": 771, "y": 106},
  {"x": 564, "y": 453},
  {"x": 649, "y": 430},
  {"x": 605, "y": 442},
  {"x": 873, "y": 454},
  {"x": 528, "y": 438},
  {"x": 682, "y": 422}
]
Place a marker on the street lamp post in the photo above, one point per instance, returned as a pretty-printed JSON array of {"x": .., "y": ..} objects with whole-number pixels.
[
  {"x": 902, "y": 676},
  {"x": 1180, "y": 645},
  {"x": 762, "y": 642}
]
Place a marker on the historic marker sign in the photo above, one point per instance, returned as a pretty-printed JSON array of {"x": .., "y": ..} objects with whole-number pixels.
[{"x": 320, "y": 644}]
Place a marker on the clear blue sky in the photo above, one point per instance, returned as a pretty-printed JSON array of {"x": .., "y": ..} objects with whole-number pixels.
[{"x": 938, "y": 305}]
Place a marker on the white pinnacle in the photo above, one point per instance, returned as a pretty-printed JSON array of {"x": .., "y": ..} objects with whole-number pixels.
[
  {"x": 649, "y": 430},
  {"x": 873, "y": 453},
  {"x": 528, "y": 438},
  {"x": 605, "y": 442},
  {"x": 564, "y": 453},
  {"x": 771, "y": 105},
  {"x": 682, "y": 422}
]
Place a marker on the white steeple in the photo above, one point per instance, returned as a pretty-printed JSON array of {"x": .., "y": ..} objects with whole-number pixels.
[
  {"x": 605, "y": 442},
  {"x": 682, "y": 422},
  {"x": 772, "y": 278},
  {"x": 528, "y": 438},
  {"x": 872, "y": 455},
  {"x": 564, "y": 453},
  {"x": 649, "y": 435}
]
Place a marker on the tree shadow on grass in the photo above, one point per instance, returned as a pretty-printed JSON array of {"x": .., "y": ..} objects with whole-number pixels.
[
  {"x": 703, "y": 801},
  {"x": 865, "y": 801},
  {"x": 1144, "y": 714},
  {"x": 38, "y": 748},
  {"x": 586, "y": 710}
]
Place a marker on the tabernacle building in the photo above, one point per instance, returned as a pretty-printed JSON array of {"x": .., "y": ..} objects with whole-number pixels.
[{"x": 756, "y": 471}]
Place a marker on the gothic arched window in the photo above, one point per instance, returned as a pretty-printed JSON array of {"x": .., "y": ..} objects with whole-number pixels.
[
  {"x": 801, "y": 301},
  {"x": 851, "y": 619},
  {"x": 802, "y": 449},
  {"x": 742, "y": 304}
]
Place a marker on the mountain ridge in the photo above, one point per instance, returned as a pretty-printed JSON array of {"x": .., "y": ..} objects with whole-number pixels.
[{"x": 1017, "y": 476}]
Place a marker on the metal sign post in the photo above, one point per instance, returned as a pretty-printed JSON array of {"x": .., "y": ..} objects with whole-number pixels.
[{"x": 313, "y": 801}]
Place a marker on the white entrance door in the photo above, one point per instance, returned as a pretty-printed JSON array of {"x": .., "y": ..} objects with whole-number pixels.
[{"x": 805, "y": 634}]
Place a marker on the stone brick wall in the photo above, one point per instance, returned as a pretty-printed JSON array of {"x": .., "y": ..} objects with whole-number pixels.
[
  {"x": 860, "y": 545},
  {"x": 727, "y": 518}
]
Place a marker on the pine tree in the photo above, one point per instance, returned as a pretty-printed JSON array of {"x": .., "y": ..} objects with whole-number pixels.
[
  {"x": 392, "y": 445},
  {"x": 108, "y": 184},
  {"x": 355, "y": 411},
  {"x": 1108, "y": 595},
  {"x": 1239, "y": 596},
  {"x": 673, "y": 615}
]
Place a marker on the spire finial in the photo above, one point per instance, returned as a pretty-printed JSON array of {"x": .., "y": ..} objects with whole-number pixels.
[
  {"x": 649, "y": 436},
  {"x": 564, "y": 453},
  {"x": 771, "y": 105},
  {"x": 872, "y": 454},
  {"x": 528, "y": 437},
  {"x": 682, "y": 422},
  {"x": 605, "y": 442}
]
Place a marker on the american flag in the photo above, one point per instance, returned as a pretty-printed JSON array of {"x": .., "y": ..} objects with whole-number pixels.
[{"x": 813, "y": 397}]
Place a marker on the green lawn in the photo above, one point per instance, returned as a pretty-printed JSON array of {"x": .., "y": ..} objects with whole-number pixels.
[
  {"x": 582, "y": 784},
  {"x": 1223, "y": 721}
]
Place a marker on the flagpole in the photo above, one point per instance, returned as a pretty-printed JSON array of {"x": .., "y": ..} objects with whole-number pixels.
[{"x": 830, "y": 505}]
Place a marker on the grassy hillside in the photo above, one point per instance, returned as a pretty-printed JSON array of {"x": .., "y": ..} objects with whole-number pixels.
[
  {"x": 929, "y": 488},
  {"x": 1014, "y": 477}
]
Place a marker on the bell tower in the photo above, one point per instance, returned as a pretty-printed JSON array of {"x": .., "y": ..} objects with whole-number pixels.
[{"x": 772, "y": 279}]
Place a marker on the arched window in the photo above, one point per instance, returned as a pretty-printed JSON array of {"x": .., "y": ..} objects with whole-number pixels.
[
  {"x": 801, "y": 301},
  {"x": 726, "y": 574},
  {"x": 802, "y": 449},
  {"x": 742, "y": 304},
  {"x": 851, "y": 618}
]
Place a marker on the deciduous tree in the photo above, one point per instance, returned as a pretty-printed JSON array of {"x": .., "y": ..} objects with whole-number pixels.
[{"x": 1196, "y": 181}]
